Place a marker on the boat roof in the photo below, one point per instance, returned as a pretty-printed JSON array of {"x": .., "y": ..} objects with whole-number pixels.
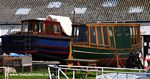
[
  {"x": 39, "y": 19},
  {"x": 113, "y": 24},
  {"x": 107, "y": 24}
]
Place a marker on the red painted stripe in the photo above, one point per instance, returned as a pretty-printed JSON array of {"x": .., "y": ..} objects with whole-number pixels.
[
  {"x": 54, "y": 52},
  {"x": 54, "y": 47}
]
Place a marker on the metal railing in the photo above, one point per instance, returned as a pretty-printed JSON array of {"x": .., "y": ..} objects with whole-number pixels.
[
  {"x": 6, "y": 72},
  {"x": 59, "y": 71}
]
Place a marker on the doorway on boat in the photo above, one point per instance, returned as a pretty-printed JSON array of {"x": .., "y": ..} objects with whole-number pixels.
[{"x": 122, "y": 37}]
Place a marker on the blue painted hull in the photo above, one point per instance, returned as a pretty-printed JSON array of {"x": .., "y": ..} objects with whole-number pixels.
[{"x": 49, "y": 47}]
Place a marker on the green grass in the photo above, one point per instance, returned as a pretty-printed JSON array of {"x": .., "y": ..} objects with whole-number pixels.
[
  {"x": 80, "y": 75},
  {"x": 42, "y": 73},
  {"x": 28, "y": 77},
  {"x": 2, "y": 76},
  {"x": 37, "y": 73}
]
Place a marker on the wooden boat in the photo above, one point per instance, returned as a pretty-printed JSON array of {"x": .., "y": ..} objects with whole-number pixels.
[
  {"x": 110, "y": 43},
  {"x": 44, "y": 39}
]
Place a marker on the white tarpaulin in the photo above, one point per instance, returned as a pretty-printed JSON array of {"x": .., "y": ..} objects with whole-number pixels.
[{"x": 65, "y": 23}]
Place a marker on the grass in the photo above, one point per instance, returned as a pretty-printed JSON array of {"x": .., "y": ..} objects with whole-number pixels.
[
  {"x": 2, "y": 76},
  {"x": 42, "y": 73},
  {"x": 38, "y": 74},
  {"x": 80, "y": 75}
]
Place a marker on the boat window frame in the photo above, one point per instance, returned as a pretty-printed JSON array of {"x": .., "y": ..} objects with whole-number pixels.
[
  {"x": 24, "y": 27},
  {"x": 93, "y": 43},
  {"x": 29, "y": 29},
  {"x": 42, "y": 28},
  {"x": 97, "y": 44},
  {"x": 75, "y": 34},
  {"x": 111, "y": 36},
  {"x": 58, "y": 29},
  {"x": 135, "y": 36},
  {"x": 34, "y": 29}
]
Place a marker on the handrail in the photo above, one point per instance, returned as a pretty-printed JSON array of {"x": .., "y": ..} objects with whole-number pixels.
[
  {"x": 5, "y": 72},
  {"x": 101, "y": 70}
]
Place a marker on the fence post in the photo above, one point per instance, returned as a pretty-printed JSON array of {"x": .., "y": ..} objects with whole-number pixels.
[
  {"x": 49, "y": 72},
  {"x": 7, "y": 73},
  {"x": 73, "y": 74},
  {"x": 102, "y": 71},
  {"x": 96, "y": 74},
  {"x": 58, "y": 73}
]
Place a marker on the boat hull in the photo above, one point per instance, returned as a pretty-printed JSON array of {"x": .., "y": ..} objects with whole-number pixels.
[
  {"x": 42, "y": 48},
  {"x": 104, "y": 57}
]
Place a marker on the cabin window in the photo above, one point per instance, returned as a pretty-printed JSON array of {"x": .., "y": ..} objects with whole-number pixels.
[
  {"x": 110, "y": 32},
  {"x": 135, "y": 35},
  {"x": 49, "y": 28},
  {"x": 104, "y": 34},
  {"x": 138, "y": 34},
  {"x": 99, "y": 31},
  {"x": 80, "y": 34},
  {"x": 30, "y": 27},
  {"x": 24, "y": 27},
  {"x": 56, "y": 28},
  {"x": 83, "y": 34},
  {"x": 33, "y": 27},
  {"x": 93, "y": 36},
  {"x": 105, "y": 31},
  {"x": 41, "y": 28},
  {"x": 111, "y": 35},
  {"x": 100, "y": 36},
  {"x": 75, "y": 34}
]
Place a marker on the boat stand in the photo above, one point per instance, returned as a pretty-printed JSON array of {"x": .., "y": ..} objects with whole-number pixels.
[
  {"x": 133, "y": 61},
  {"x": 117, "y": 59}
]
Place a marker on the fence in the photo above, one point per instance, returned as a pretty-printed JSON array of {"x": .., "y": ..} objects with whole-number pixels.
[
  {"x": 6, "y": 72},
  {"x": 76, "y": 72},
  {"x": 89, "y": 72}
]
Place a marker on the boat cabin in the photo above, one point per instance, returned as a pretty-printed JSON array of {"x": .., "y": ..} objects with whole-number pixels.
[
  {"x": 113, "y": 44},
  {"x": 46, "y": 27},
  {"x": 107, "y": 35}
]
